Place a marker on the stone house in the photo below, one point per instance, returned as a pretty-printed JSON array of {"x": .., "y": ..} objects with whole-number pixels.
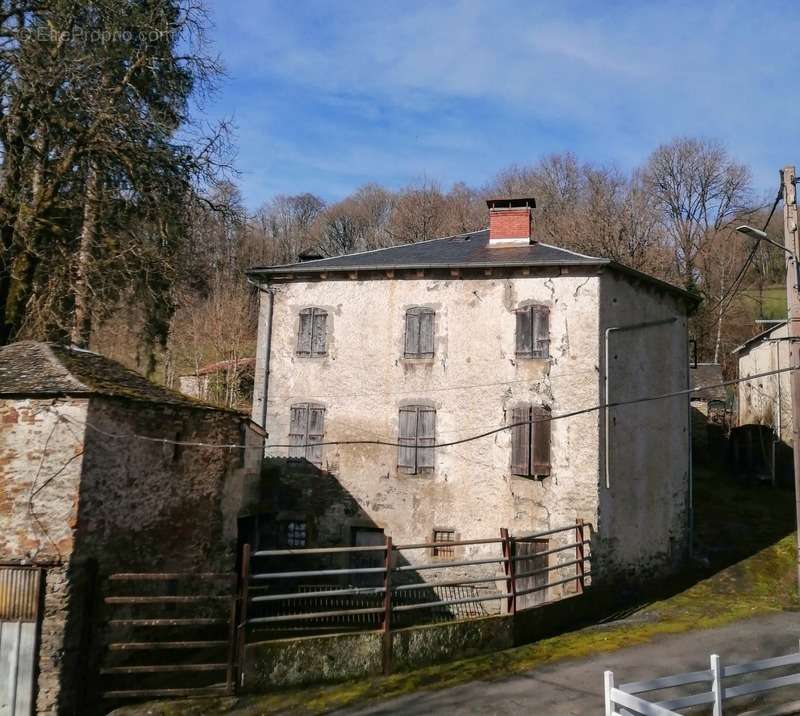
[
  {"x": 422, "y": 345},
  {"x": 227, "y": 382},
  {"x": 767, "y": 400},
  {"x": 88, "y": 486}
]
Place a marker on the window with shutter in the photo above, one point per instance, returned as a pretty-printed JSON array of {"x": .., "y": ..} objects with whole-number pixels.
[
  {"x": 419, "y": 333},
  {"x": 312, "y": 339},
  {"x": 306, "y": 429},
  {"x": 530, "y": 441},
  {"x": 417, "y": 435},
  {"x": 533, "y": 332}
]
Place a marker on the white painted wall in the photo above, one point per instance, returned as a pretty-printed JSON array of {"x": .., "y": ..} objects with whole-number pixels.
[
  {"x": 767, "y": 400},
  {"x": 473, "y": 380}
]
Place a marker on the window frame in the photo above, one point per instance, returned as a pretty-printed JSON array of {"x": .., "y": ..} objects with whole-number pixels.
[
  {"x": 312, "y": 451},
  {"x": 533, "y": 315},
  {"x": 420, "y": 449},
  {"x": 447, "y": 552},
  {"x": 536, "y": 437},
  {"x": 416, "y": 313},
  {"x": 289, "y": 536},
  {"x": 312, "y": 314}
]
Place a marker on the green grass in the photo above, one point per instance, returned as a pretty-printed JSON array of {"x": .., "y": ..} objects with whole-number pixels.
[
  {"x": 771, "y": 303},
  {"x": 744, "y": 533}
]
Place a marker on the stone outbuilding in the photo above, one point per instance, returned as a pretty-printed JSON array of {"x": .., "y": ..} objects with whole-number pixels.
[
  {"x": 94, "y": 480},
  {"x": 419, "y": 346}
]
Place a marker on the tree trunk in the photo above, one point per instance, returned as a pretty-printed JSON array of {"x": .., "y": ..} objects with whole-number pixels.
[{"x": 82, "y": 317}]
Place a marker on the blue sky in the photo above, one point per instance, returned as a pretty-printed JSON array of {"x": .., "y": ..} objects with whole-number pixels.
[{"x": 327, "y": 96}]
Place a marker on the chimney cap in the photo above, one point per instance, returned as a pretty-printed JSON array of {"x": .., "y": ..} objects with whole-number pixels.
[{"x": 519, "y": 203}]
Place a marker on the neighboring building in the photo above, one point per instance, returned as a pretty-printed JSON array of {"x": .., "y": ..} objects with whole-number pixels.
[
  {"x": 766, "y": 401},
  {"x": 227, "y": 382},
  {"x": 710, "y": 413},
  {"x": 708, "y": 400},
  {"x": 435, "y": 341},
  {"x": 79, "y": 494}
]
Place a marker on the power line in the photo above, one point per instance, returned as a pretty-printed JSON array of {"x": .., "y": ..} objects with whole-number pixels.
[
  {"x": 392, "y": 443},
  {"x": 729, "y": 294}
]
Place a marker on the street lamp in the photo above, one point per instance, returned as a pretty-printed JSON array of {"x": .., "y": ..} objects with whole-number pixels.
[{"x": 760, "y": 235}]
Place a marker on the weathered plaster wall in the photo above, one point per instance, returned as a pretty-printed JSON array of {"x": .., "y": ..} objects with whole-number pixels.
[
  {"x": 767, "y": 401},
  {"x": 472, "y": 381},
  {"x": 643, "y": 518}
]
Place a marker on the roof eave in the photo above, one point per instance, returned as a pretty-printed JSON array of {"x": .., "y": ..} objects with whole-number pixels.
[{"x": 276, "y": 270}]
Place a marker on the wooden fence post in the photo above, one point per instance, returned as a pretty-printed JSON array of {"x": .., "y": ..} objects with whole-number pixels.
[
  {"x": 608, "y": 679},
  {"x": 716, "y": 684},
  {"x": 580, "y": 581},
  {"x": 387, "y": 608},
  {"x": 244, "y": 588},
  {"x": 508, "y": 566}
]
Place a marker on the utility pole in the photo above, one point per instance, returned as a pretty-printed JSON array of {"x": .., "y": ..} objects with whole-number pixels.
[{"x": 793, "y": 304}]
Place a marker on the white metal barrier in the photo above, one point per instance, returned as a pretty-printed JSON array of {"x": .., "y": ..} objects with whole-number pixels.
[{"x": 625, "y": 700}]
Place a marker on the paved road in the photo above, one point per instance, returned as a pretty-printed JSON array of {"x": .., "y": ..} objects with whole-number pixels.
[{"x": 575, "y": 687}]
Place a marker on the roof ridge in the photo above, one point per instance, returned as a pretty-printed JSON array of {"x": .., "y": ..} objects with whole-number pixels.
[
  {"x": 574, "y": 253},
  {"x": 372, "y": 251},
  {"x": 54, "y": 360}
]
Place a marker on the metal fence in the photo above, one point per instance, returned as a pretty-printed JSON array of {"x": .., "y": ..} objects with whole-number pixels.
[
  {"x": 625, "y": 700},
  {"x": 388, "y": 586},
  {"x": 168, "y": 634}
]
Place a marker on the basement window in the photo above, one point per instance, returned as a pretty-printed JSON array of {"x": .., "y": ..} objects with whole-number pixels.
[
  {"x": 443, "y": 551},
  {"x": 296, "y": 533}
]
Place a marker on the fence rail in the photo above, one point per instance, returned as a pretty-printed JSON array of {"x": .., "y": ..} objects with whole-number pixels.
[
  {"x": 384, "y": 586},
  {"x": 205, "y": 662},
  {"x": 625, "y": 700}
]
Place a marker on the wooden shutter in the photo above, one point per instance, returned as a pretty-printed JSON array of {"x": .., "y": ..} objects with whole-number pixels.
[
  {"x": 304, "y": 332},
  {"x": 541, "y": 442},
  {"x": 319, "y": 332},
  {"x": 426, "y": 438},
  {"x": 540, "y": 331},
  {"x": 520, "y": 441},
  {"x": 407, "y": 437},
  {"x": 316, "y": 430},
  {"x": 412, "y": 332},
  {"x": 426, "y": 323},
  {"x": 298, "y": 424},
  {"x": 524, "y": 337}
]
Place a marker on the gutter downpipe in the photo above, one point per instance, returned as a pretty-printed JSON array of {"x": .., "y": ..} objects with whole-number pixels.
[
  {"x": 690, "y": 464},
  {"x": 267, "y": 348},
  {"x": 607, "y": 383}
]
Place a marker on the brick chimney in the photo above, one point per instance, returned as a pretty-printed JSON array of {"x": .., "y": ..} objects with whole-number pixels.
[{"x": 510, "y": 221}]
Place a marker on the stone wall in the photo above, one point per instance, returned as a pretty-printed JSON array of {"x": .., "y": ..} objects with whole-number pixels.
[{"x": 79, "y": 499}]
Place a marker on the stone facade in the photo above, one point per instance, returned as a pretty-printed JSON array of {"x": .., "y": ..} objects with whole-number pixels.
[
  {"x": 473, "y": 381},
  {"x": 81, "y": 502}
]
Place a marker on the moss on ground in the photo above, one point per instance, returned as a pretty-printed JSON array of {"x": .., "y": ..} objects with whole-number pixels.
[{"x": 744, "y": 536}]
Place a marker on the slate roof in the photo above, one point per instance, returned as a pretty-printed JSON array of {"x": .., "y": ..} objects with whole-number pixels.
[
  {"x": 460, "y": 251},
  {"x": 31, "y": 368},
  {"x": 707, "y": 374},
  {"x": 758, "y": 337}
]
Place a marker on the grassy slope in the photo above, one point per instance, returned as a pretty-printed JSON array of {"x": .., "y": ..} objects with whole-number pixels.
[{"x": 743, "y": 533}]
